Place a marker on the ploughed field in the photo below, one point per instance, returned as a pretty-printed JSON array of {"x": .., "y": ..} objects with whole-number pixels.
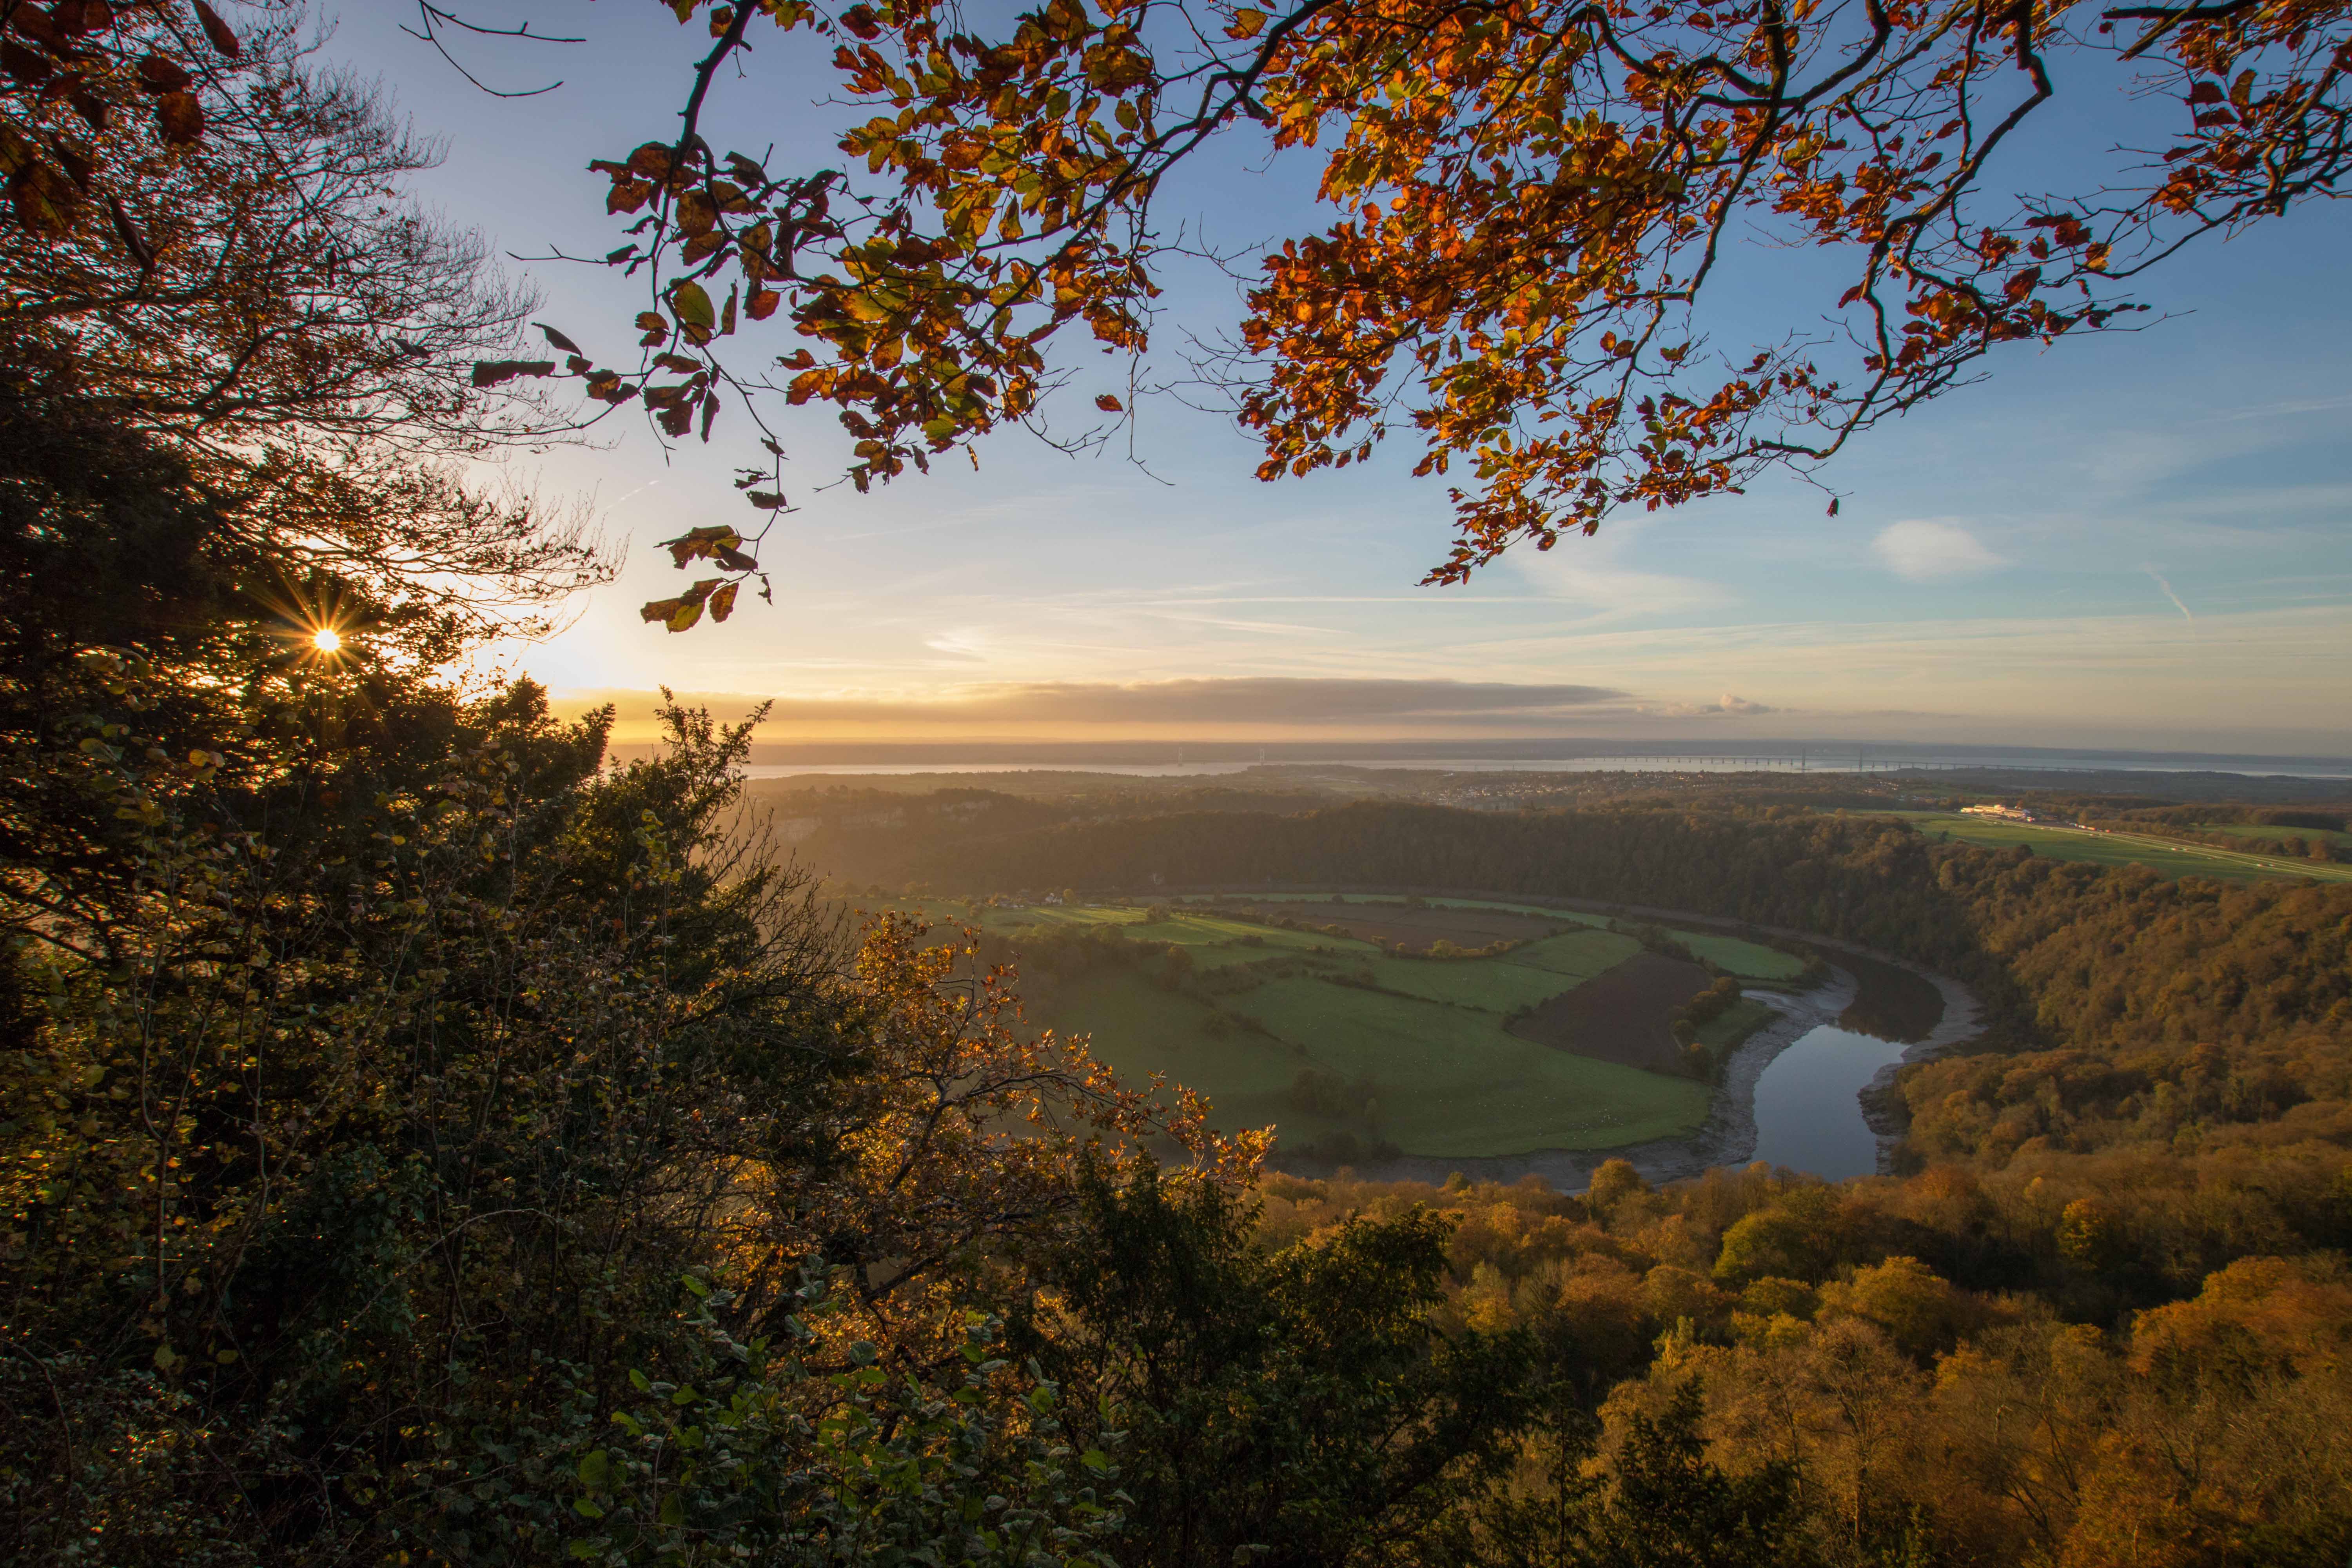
[{"x": 1458, "y": 1028}]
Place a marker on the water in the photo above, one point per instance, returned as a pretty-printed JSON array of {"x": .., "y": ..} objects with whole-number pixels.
[
  {"x": 904, "y": 770},
  {"x": 1876, "y": 762},
  {"x": 1808, "y": 1112}
]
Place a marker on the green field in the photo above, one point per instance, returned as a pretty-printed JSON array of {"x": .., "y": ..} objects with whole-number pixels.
[
  {"x": 2164, "y": 856},
  {"x": 1419, "y": 1044},
  {"x": 2258, "y": 831},
  {"x": 1747, "y": 960}
]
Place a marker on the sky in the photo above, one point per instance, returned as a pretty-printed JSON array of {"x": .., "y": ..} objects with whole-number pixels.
[{"x": 2133, "y": 541}]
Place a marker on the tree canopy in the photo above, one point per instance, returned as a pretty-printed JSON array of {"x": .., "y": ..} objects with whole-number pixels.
[{"x": 1527, "y": 210}]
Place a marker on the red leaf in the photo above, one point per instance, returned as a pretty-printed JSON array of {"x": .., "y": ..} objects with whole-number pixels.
[
  {"x": 217, "y": 31},
  {"x": 24, "y": 64},
  {"x": 157, "y": 74},
  {"x": 1111, "y": 405},
  {"x": 180, "y": 117}
]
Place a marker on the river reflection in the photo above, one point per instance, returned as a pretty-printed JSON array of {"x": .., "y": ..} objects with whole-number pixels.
[{"x": 1808, "y": 1112}]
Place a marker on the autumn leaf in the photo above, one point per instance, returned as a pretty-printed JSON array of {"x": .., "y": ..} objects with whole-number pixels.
[
  {"x": 25, "y": 65},
  {"x": 1109, "y": 405},
  {"x": 43, "y": 198},
  {"x": 700, "y": 543},
  {"x": 493, "y": 372},
  {"x": 157, "y": 74},
  {"x": 558, "y": 339},
  {"x": 180, "y": 117},
  {"x": 1247, "y": 24},
  {"x": 218, "y": 31},
  {"x": 681, "y": 612},
  {"x": 722, "y": 602}
]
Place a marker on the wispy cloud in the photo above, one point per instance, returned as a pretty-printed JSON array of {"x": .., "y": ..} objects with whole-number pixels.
[
  {"x": 2169, "y": 594},
  {"x": 1921, "y": 550}
]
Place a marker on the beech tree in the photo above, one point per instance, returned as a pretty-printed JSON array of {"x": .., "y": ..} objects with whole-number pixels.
[
  {"x": 1526, "y": 204},
  {"x": 205, "y": 239}
]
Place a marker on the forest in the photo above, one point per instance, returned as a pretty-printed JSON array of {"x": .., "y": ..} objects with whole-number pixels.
[{"x": 428, "y": 1136}]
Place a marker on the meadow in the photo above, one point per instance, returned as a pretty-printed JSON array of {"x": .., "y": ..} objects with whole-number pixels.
[
  {"x": 2165, "y": 856},
  {"x": 1413, "y": 1053}
]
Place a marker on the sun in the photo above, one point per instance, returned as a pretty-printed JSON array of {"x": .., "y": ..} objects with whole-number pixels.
[{"x": 326, "y": 639}]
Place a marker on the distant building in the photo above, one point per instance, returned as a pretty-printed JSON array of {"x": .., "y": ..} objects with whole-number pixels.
[{"x": 2007, "y": 813}]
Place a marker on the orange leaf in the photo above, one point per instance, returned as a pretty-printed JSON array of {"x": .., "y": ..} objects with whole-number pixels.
[{"x": 1111, "y": 405}]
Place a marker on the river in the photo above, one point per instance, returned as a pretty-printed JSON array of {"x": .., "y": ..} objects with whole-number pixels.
[{"x": 1808, "y": 1103}]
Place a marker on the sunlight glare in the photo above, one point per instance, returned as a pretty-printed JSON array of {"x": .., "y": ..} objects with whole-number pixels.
[{"x": 326, "y": 640}]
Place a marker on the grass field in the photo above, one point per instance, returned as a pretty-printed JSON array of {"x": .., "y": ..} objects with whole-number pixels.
[
  {"x": 1419, "y": 1042},
  {"x": 2256, "y": 830},
  {"x": 2164, "y": 856},
  {"x": 1450, "y": 1081},
  {"x": 1747, "y": 960}
]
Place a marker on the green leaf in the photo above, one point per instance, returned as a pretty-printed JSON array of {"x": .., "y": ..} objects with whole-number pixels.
[
  {"x": 692, "y": 307},
  {"x": 673, "y": 1510},
  {"x": 596, "y": 1469}
]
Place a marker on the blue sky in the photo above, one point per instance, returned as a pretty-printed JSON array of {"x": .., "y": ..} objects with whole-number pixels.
[{"x": 2135, "y": 541}]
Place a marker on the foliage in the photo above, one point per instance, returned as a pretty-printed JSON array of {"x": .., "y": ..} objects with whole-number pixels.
[
  {"x": 1290, "y": 1407},
  {"x": 757, "y": 1454},
  {"x": 351, "y": 1167},
  {"x": 1526, "y": 210},
  {"x": 207, "y": 241},
  {"x": 2124, "y": 1004}
]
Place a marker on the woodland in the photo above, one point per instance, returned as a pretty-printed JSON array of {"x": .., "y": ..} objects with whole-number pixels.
[{"x": 428, "y": 1138}]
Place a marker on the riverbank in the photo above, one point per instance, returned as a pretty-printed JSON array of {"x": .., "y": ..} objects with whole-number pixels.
[{"x": 1729, "y": 1135}]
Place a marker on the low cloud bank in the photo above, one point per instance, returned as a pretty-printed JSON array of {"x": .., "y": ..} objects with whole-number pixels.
[{"x": 1206, "y": 707}]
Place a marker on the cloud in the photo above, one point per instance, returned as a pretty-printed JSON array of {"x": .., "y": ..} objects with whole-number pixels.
[
  {"x": 1588, "y": 571},
  {"x": 1726, "y": 705},
  {"x": 2170, "y": 593},
  {"x": 1921, "y": 551},
  {"x": 1201, "y": 704}
]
